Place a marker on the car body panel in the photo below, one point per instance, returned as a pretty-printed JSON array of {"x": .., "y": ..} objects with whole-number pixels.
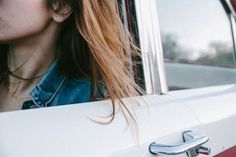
[
  {"x": 215, "y": 109},
  {"x": 228, "y": 153},
  {"x": 68, "y": 130}
]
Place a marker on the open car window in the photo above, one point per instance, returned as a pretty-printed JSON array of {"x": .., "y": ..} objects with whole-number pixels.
[{"x": 129, "y": 18}]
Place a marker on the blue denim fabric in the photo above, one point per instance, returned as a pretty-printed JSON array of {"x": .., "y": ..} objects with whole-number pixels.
[{"x": 55, "y": 89}]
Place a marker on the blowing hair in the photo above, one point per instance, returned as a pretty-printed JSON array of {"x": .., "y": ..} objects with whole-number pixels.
[{"x": 93, "y": 43}]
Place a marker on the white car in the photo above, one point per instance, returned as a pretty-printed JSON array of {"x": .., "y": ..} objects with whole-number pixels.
[{"x": 188, "y": 71}]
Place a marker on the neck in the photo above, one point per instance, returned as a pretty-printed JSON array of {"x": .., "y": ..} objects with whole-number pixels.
[
  {"x": 30, "y": 58},
  {"x": 31, "y": 62}
]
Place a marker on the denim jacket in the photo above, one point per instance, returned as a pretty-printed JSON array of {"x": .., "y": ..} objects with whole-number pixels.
[{"x": 55, "y": 89}]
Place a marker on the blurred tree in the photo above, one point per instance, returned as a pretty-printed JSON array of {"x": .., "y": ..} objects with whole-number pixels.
[
  {"x": 173, "y": 51},
  {"x": 217, "y": 54}
]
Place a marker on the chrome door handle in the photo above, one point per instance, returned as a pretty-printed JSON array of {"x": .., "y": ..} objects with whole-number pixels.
[{"x": 192, "y": 146}]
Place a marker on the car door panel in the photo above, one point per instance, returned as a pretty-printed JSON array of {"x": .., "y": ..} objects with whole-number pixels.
[
  {"x": 230, "y": 152},
  {"x": 215, "y": 108},
  {"x": 68, "y": 130}
]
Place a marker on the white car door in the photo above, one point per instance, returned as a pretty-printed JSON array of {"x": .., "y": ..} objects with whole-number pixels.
[{"x": 68, "y": 130}]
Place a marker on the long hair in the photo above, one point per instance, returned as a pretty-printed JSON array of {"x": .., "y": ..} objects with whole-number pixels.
[{"x": 93, "y": 43}]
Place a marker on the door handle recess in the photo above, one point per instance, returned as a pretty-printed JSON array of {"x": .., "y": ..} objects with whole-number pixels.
[{"x": 192, "y": 146}]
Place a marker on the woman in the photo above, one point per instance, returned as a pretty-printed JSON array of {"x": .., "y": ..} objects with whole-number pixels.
[{"x": 56, "y": 52}]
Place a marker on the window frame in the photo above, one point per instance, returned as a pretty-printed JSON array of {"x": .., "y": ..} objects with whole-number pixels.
[
  {"x": 151, "y": 47},
  {"x": 232, "y": 19}
]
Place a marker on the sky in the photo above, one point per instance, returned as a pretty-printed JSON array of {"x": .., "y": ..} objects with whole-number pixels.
[{"x": 195, "y": 23}]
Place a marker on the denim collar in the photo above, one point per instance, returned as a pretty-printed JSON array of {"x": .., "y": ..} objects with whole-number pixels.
[{"x": 48, "y": 87}]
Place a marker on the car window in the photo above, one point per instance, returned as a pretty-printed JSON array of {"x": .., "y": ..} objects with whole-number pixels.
[
  {"x": 128, "y": 15},
  {"x": 61, "y": 83},
  {"x": 197, "y": 43}
]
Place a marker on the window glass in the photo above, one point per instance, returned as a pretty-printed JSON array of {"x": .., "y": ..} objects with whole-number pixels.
[{"x": 197, "y": 43}]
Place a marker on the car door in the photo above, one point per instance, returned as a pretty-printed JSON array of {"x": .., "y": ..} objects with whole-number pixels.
[{"x": 162, "y": 116}]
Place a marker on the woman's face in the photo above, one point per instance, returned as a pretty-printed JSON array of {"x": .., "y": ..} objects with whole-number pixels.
[{"x": 22, "y": 18}]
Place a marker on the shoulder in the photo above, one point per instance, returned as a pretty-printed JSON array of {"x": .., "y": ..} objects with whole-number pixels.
[{"x": 57, "y": 89}]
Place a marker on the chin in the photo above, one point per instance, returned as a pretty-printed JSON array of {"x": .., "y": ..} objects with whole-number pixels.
[{"x": 8, "y": 40}]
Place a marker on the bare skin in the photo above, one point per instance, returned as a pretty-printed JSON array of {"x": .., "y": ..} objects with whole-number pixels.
[
  {"x": 39, "y": 58},
  {"x": 32, "y": 43}
]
